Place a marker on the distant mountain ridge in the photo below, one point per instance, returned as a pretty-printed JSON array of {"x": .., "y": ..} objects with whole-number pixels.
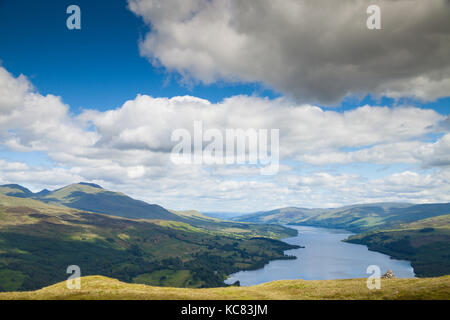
[{"x": 355, "y": 218}]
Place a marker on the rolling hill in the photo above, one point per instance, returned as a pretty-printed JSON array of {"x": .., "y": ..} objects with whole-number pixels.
[
  {"x": 102, "y": 288},
  {"x": 39, "y": 240},
  {"x": 15, "y": 190}
]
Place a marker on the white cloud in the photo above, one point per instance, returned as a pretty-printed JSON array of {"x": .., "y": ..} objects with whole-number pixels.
[
  {"x": 435, "y": 154},
  {"x": 31, "y": 121},
  {"x": 12, "y": 166},
  {"x": 312, "y": 50},
  {"x": 12, "y": 91},
  {"x": 306, "y": 132},
  {"x": 128, "y": 149}
]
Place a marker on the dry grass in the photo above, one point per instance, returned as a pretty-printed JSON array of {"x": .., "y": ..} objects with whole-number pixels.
[{"x": 102, "y": 288}]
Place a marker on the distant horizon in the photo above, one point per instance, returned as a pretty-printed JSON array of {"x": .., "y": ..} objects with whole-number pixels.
[{"x": 230, "y": 213}]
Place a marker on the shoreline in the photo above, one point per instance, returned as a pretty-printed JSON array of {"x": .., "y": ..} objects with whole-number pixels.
[{"x": 235, "y": 276}]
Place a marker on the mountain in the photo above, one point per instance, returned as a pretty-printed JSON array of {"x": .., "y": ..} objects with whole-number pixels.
[
  {"x": 15, "y": 190},
  {"x": 39, "y": 240},
  {"x": 355, "y": 218},
  {"x": 92, "y": 197}
]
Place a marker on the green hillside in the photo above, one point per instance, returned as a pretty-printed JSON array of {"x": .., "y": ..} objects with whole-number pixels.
[
  {"x": 92, "y": 197},
  {"x": 426, "y": 243},
  {"x": 38, "y": 241},
  {"x": 361, "y": 218},
  {"x": 102, "y": 288},
  {"x": 15, "y": 190}
]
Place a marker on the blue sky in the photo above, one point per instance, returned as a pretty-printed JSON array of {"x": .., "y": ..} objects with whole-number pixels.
[
  {"x": 98, "y": 66},
  {"x": 250, "y": 69}
]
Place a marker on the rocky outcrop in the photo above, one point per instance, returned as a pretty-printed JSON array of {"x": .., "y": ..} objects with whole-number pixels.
[{"x": 388, "y": 275}]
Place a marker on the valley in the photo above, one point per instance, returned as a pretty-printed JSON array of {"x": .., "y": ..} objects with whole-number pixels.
[{"x": 39, "y": 240}]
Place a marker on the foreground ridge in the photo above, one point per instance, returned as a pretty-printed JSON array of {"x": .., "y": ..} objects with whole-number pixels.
[{"x": 103, "y": 288}]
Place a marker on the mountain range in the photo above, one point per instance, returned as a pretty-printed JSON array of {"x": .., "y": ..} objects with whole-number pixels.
[{"x": 356, "y": 218}]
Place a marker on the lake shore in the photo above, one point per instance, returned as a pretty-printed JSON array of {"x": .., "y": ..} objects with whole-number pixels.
[{"x": 325, "y": 257}]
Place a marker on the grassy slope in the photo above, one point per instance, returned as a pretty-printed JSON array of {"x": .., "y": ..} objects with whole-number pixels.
[
  {"x": 15, "y": 190},
  {"x": 96, "y": 287},
  {"x": 38, "y": 241},
  {"x": 426, "y": 243}
]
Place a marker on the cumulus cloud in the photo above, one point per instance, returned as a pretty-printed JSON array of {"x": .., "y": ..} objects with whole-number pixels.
[
  {"x": 435, "y": 154},
  {"x": 128, "y": 149},
  {"x": 12, "y": 91},
  {"x": 146, "y": 123},
  {"x": 312, "y": 50},
  {"x": 31, "y": 121}
]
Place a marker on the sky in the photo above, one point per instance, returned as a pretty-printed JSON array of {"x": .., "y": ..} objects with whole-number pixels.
[{"x": 362, "y": 114}]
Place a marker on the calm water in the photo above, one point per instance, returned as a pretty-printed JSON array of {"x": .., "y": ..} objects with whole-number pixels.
[{"x": 325, "y": 257}]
